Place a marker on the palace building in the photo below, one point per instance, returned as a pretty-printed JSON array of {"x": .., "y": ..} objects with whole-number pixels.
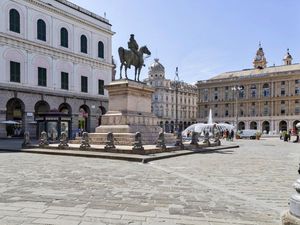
[
  {"x": 55, "y": 58},
  {"x": 263, "y": 98},
  {"x": 164, "y": 99}
]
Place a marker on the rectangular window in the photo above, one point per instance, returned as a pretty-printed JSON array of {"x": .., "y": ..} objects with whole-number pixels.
[
  {"x": 15, "y": 72},
  {"x": 101, "y": 87},
  {"x": 42, "y": 76},
  {"x": 84, "y": 84},
  {"x": 282, "y": 92},
  {"x": 64, "y": 81}
]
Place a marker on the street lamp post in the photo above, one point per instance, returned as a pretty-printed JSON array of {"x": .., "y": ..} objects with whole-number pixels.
[
  {"x": 236, "y": 89},
  {"x": 176, "y": 80}
]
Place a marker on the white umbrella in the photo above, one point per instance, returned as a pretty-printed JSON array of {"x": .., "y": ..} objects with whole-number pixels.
[
  {"x": 9, "y": 122},
  {"x": 298, "y": 125}
]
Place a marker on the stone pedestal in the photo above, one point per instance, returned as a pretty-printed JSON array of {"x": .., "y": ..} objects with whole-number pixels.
[
  {"x": 292, "y": 217},
  {"x": 288, "y": 219},
  {"x": 129, "y": 112}
]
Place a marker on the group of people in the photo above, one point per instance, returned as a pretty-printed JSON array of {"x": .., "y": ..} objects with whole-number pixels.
[
  {"x": 228, "y": 135},
  {"x": 286, "y": 135}
]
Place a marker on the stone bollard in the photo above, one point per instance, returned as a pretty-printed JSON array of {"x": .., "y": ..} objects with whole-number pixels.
[
  {"x": 110, "y": 142},
  {"x": 292, "y": 216},
  {"x": 137, "y": 144},
  {"x": 43, "y": 139},
  {"x": 63, "y": 141},
  {"x": 85, "y": 141},
  {"x": 179, "y": 141},
  {"x": 26, "y": 141},
  {"x": 161, "y": 141},
  {"x": 194, "y": 138}
]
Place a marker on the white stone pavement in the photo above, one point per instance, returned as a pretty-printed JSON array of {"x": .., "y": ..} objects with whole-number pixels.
[{"x": 247, "y": 185}]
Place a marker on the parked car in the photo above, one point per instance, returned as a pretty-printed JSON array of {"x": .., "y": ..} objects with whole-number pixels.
[{"x": 248, "y": 134}]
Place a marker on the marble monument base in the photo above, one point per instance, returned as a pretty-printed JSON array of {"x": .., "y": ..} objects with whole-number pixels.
[{"x": 129, "y": 112}]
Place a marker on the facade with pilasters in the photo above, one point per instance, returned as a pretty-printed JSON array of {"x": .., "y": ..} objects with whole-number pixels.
[
  {"x": 55, "y": 57},
  {"x": 164, "y": 99},
  {"x": 263, "y": 98}
]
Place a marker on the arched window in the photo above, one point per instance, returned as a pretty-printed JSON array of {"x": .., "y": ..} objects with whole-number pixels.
[
  {"x": 100, "y": 49},
  {"x": 83, "y": 44},
  {"x": 14, "y": 21},
  {"x": 64, "y": 40},
  {"x": 41, "y": 30}
]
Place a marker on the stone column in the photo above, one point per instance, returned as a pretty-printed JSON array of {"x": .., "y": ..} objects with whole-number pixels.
[{"x": 292, "y": 216}]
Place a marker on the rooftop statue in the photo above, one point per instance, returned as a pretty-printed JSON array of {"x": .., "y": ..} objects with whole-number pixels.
[{"x": 133, "y": 57}]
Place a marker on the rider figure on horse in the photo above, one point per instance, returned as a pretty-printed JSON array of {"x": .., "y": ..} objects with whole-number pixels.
[{"x": 133, "y": 45}]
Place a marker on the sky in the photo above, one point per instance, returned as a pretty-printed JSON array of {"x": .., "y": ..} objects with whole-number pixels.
[{"x": 203, "y": 38}]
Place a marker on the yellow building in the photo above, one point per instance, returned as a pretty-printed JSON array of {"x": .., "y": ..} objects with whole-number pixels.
[{"x": 263, "y": 98}]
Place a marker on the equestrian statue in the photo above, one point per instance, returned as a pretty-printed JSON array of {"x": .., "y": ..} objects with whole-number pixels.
[{"x": 133, "y": 57}]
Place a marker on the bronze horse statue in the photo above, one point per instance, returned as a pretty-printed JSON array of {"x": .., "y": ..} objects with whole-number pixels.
[{"x": 129, "y": 58}]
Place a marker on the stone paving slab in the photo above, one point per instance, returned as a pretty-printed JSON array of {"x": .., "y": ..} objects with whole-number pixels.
[{"x": 247, "y": 185}]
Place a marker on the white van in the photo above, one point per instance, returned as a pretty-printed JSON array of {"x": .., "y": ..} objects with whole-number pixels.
[{"x": 248, "y": 134}]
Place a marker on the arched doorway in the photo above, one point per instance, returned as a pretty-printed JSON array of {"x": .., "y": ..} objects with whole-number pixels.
[
  {"x": 41, "y": 107},
  {"x": 266, "y": 127},
  {"x": 282, "y": 125},
  {"x": 172, "y": 127},
  {"x": 102, "y": 111},
  {"x": 84, "y": 118},
  {"x": 66, "y": 127},
  {"x": 180, "y": 127},
  {"x": 253, "y": 125},
  {"x": 161, "y": 124},
  {"x": 184, "y": 125},
  {"x": 241, "y": 126},
  {"x": 167, "y": 127},
  {"x": 15, "y": 113}
]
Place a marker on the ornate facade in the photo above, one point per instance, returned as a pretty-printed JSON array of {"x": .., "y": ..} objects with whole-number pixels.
[
  {"x": 164, "y": 99},
  {"x": 55, "y": 57},
  {"x": 263, "y": 98}
]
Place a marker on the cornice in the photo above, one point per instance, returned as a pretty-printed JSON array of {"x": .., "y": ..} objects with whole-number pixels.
[
  {"x": 30, "y": 46},
  {"x": 57, "y": 93},
  {"x": 72, "y": 17}
]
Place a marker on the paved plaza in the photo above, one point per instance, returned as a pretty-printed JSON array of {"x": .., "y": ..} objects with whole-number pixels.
[{"x": 247, "y": 185}]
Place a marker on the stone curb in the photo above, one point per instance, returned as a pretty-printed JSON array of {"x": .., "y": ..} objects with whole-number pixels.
[{"x": 120, "y": 156}]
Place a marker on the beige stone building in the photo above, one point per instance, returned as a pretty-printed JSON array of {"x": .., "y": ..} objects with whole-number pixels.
[
  {"x": 164, "y": 99},
  {"x": 263, "y": 98}
]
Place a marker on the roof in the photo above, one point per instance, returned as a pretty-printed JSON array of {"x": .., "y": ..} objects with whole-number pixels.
[
  {"x": 84, "y": 11},
  {"x": 246, "y": 73}
]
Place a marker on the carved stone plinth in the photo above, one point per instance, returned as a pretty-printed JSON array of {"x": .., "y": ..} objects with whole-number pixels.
[
  {"x": 43, "y": 139},
  {"x": 63, "y": 142},
  {"x": 288, "y": 219},
  {"x": 85, "y": 141},
  {"x": 292, "y": 217},
  {"x": 161, "y": 141},
  {"x": 110, "y": 143},
  {"x": 129, "y": 112}
]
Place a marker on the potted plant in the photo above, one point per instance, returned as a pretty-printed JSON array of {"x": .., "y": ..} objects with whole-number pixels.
[
  {"x": 237, "y": 136},
  {"x": 258, "y": 135}
]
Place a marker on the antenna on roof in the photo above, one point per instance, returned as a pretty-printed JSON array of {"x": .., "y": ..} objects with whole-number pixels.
[{"x": 105, "y": 15}]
